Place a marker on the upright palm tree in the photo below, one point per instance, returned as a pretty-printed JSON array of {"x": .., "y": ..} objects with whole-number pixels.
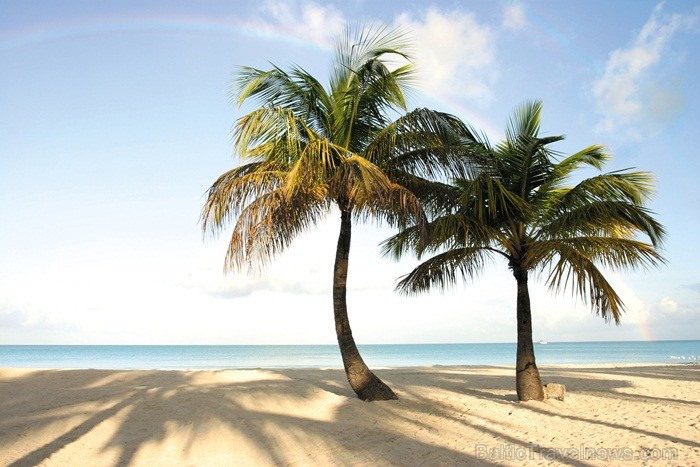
[
  {"x": 308, "y": 149},
  {"x": 522, "y": 207}
]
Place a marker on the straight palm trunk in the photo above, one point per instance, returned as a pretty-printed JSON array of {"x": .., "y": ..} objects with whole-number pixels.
[
  {"x": 366, "y": 384},
  {"x": 527, "y": 377}
]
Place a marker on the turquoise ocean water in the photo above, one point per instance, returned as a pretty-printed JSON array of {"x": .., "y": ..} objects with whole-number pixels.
[{"x": 328, "y": 356}]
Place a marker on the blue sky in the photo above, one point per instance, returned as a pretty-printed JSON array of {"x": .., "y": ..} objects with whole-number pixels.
[{"x": 116, "y": 119}]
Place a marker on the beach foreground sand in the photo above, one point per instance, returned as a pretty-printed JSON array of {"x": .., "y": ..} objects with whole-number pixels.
[{"x": 445, "y": 416}]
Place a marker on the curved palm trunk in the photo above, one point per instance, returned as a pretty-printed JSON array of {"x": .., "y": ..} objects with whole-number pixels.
[
  {"x": 527, "y": 378},
  {"x": 365, "y": 384}
]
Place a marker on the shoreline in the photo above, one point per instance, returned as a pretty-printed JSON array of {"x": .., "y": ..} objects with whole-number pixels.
[
  {"x": 450, "y": 415},
  {"x": 436, "y": 366}
]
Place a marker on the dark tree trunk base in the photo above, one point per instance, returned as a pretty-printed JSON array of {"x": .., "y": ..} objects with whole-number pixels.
[
  {"x": 528, "y": 383},
  {"x": 373, "y": 389},
  {"x": 363, "y": 381}
]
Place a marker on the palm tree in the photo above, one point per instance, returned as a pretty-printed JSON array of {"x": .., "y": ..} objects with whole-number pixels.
[
  {"x": 523, "y": 208},
  {"x": 309, "y": 149}
]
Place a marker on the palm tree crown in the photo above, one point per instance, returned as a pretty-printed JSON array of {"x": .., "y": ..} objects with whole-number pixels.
[
  {"x": 523, "y": 207},
  {"x": 309, "y": 148}
]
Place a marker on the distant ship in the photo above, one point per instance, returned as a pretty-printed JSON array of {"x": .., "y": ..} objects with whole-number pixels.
[{"x": 543, "y": 342}]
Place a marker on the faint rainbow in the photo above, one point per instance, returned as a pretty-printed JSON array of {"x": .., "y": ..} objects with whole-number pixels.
[
  {"x": 644, "y": 330},
  {"x": 51, "y": 31}
]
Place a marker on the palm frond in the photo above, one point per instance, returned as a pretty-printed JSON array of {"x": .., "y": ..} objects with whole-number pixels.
[
  {"x": 379, "y": 86},
  {"x": 594, "y": 156},
  {"x": 359, "y": 180},
  {"x": 634, "y": 187},
  {"x": 525, "y": 122},
  {"x": 297, "y": 91},
  {"x": 443, "y": 270},
  {"x": 437, "y": 198},
  {"x": 445, "y": 232},
  {"x": 233, "y": 190},
  {"x": 560, "y": 172},
  {"x": 433, "y": 144},
  {"x": 397, "y": 207},
  {"x": 358, "y": 46},
  {"x": 611, "y": 218},
  {"x": 316, "y": 164},
  {"x": 249, "y": 81},
  {"x": 363, "y": 88},
  {"x": 408, "y": 240},
  {"x": 270, "y": 133},
  {"x": 572, "y": 269},
  {"x": 490, "y": 201},
  {"x": 268, "y": 225},
  {"x": 614, "y": 253}
]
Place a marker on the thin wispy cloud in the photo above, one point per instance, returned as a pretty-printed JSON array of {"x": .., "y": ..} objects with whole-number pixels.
[
  {"x": 628, "y": 93},
  {"x": 239, "y": 285},
  {"x": 455, "y": 54},
  {"x": 303, "y": 20},
  {"x": 284, "y": 281},
  {"x": 11, "y": 317},
  {"x": 514, "y": 17}
]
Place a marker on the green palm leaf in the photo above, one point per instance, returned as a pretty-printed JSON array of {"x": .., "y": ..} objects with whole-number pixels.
[{"x": 444, "y": 270}]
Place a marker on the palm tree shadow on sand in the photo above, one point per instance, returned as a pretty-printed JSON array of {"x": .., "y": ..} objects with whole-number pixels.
[
  {"x": 151, "y": 409},
  {"x": 276, "y": 417}
]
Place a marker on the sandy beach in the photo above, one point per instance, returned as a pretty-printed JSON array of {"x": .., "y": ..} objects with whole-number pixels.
[{"x": 622, "y": 414}]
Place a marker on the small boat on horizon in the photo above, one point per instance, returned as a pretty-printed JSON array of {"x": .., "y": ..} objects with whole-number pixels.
[{"x": 543, "y": 342}]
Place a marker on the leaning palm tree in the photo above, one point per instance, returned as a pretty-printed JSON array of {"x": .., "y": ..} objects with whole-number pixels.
[
  {"x": 309, "y": 149},
  {"x": 523, "y": 207}
]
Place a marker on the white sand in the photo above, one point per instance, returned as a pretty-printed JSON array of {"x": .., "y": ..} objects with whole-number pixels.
[{"x": 445, "y": 416}]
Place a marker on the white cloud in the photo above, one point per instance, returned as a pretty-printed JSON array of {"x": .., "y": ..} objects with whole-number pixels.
[
  {"x": 22, "y": 322},
  {"x": 303, "y": 20},
  {"x": 627, "y": 93},
  {"x": 215, "y": 284},
  {"x": 12, "y": 316},
  {"x": 668, "y": 308},
  {"x": 667, "y": 305},
  {"x": 514, "y": 17},
  {"x": 455, "y": 54}
]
